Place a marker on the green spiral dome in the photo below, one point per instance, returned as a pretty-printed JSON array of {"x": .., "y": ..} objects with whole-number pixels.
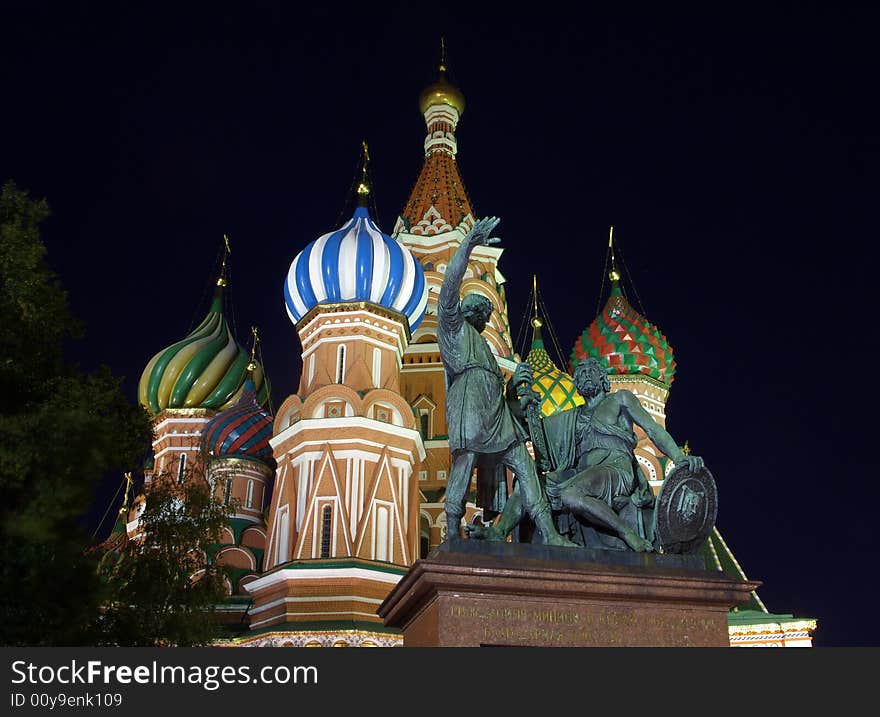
[{"x": 207, "y": 369}]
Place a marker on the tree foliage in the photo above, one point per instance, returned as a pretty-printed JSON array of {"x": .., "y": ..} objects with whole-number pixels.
[
  {"x": 61, "y": 431},
  {"x": 164, "y": 586}
]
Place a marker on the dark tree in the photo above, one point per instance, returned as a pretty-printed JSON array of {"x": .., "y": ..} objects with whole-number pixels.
[
  {"x": 61, "y": 432},
  {"x": 164, "y": 587}
]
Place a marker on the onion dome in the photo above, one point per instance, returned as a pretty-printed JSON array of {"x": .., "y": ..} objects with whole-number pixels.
[
  {"x": 356, "y": 263},
  {"x": 555, "y": 387},
  {"x": 241, "y": 431},
  {"x": 207, "y": 369},
  {"x": 441, "y": 92},
  {"x": 625, "y": 341}
]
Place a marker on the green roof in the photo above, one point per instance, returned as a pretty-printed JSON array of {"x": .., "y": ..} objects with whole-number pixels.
[{"x": 718, "y": 556}]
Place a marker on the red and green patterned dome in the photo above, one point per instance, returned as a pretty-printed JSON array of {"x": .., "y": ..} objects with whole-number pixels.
[
  {"x": 555, "y": 387},
  {"x": 626, "y": 342}
]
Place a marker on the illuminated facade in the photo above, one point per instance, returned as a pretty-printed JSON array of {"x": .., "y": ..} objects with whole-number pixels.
[{"x": 342, "y": 490}]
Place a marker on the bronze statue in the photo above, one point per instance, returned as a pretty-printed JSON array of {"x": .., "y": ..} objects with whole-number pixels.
[
  {"x": 480, "y": 425},
  {"x": 595, "y": 475}
]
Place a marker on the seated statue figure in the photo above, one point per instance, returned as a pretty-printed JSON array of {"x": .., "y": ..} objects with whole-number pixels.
[{"x": 594, "y": 475}]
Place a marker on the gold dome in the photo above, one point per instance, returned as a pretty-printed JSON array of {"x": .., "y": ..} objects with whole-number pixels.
[{"x": 441, "y": 93}]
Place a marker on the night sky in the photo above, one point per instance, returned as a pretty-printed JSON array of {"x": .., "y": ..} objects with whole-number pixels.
[{"x": 735, "y": 151}]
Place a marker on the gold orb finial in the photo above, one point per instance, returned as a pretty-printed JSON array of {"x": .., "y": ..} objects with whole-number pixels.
[
  {"x": 537, "y": 323},
  {"x": 441, "y": 92}
]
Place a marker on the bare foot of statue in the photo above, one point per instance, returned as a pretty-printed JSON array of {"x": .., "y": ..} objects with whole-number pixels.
[{"x": 638, "y": 543}]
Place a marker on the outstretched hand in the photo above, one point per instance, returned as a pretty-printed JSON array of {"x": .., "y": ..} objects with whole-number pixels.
[{"x": 482, "y": 232}]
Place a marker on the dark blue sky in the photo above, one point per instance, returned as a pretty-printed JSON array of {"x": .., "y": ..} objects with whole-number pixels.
[{"x": 734, "y": 150}]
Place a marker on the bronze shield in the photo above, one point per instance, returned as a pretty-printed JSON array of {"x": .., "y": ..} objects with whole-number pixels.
[{"x": 686, "y": 510}]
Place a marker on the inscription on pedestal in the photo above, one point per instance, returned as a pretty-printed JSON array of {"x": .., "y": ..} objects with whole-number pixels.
[{"x": 576, "y": 625}]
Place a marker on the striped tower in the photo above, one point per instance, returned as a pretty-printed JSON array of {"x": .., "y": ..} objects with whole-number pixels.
[
  {"x": 184, "y": 385},
  {"x": 343, "y": 518},
  {"x": 434, "y": 220},
  {"x": 240, "y": 467}
]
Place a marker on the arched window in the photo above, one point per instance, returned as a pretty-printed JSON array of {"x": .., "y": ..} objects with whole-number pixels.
[
  {"x": 340, "y": 364},
  {"x": 249, "y": 501},
  {"x": 181, "y": 468},
  {"x": 326, "y": 525},
  {"x": 423, "y": 423}
]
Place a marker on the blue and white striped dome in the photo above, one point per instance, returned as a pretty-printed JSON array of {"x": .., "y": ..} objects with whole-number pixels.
[{"x": 356, "y": 263}]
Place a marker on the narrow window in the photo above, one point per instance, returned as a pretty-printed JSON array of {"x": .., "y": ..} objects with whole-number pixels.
[
  {"x": 423, "y": 419},
  {"x": 382, "y": 536},
  {"x": 340, "y": 364},
  {"x": 250, "y": 494},
  {"x": 377, "y": 367},
  {"x": 326, "y": 524},
  {"x": 181, "y": 468},
  {"x": 282, "y": 536},
  {"x": 227, "y": 490}
]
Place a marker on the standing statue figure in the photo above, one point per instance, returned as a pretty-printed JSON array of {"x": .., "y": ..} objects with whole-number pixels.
[
  {"x": 591, "y": 450},
  {"x": 478, "y": 418}
]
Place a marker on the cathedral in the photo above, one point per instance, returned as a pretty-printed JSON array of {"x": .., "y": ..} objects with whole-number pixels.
[{"x": 342, "y": 490}]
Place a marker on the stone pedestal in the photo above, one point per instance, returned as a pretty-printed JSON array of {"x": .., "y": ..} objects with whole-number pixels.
[{"x": 475, "y": 593}]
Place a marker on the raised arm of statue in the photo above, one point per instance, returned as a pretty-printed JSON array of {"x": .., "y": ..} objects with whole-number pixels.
[{"x": 449, "y": 290}]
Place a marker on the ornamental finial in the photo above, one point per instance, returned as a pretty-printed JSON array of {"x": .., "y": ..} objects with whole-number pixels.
[
  {"x": 536, "y": 321},
  {"x": 252, "y": 364},
  {"x": 128, "y": 482},
  {"x": 221, "y": 280},
  {"x": 363, "y": 189},
  {"x": 614, "y": 275}
]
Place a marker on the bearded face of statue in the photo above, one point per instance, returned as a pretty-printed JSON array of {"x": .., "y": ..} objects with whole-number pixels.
[{"x": 590, "y": 379}]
